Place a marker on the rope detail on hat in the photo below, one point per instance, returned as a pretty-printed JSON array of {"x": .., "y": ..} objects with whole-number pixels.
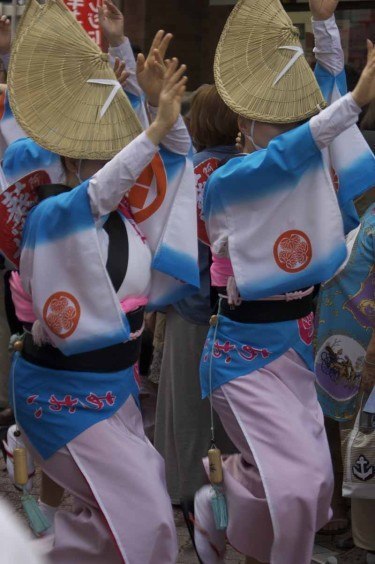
[{"x": 295, "y": 31}]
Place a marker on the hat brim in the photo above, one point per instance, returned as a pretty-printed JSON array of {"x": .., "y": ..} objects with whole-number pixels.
[
  {"x": 258, "y": 43},
  {"x": 52, "y": 61}
]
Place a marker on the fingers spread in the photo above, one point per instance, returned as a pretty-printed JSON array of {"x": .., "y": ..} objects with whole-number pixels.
[
  {"x": 175, "y": 74},
  {"x": 111, "y": 7},
  {"x": 123, "y": 78},
  {"x": 157, "y": 40},
  {"x": 140, "y": 62},
  {"x": 171, "y": 68},
  {"x": 164, "y": 44}
]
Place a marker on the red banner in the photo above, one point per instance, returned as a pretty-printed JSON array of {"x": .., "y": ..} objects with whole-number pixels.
[
  {"x": 202, "y": 173},
  {"x": 86, "y": 12},
  {"x": 15, "y": 203}
]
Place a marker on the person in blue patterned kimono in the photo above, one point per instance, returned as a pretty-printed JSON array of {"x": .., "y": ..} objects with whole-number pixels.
[{"x": 345, "y": 353}]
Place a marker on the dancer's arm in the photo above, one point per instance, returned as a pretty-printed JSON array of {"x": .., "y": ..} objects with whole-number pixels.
[
  {"x": 124, "y": 52},
  {"x": 108, "y": 187},
  {"x": 178, "y": 139},
  {"x": 334, "y": 120},
  {"x": 151, "y": 72},
  {"x": 343, "y": 113},
  {"x": 111, "y": 22},
  {"x": 328, "y": 49}
]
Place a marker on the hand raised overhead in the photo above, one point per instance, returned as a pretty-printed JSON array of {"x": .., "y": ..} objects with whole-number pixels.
[
  {"x": 5, "y": 35},
  {"x": 364, "y": 92},
  {"x": 323, "y": 9},
  {"x": 174, "y": 87},
  {"x": 111, "y": 22},
  {"x": 151, "y": 70}
]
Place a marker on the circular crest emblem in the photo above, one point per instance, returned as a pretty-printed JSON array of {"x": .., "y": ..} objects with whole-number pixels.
[
  {"x": 335, "y": 179},
  {"x": 293, "y": 251},
  {"x": 148, "y": 193},
  {"x": 61, "y": 314}
]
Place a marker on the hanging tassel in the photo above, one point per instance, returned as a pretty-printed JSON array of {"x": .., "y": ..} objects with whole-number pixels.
[
  {"x": 219, "y": 508},
  {"x": 218, "y": 500},
  {"x": 40, "y": 336},
  {"x": 38, "y": 521}
]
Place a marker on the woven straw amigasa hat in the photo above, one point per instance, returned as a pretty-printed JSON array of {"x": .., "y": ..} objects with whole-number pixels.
[
  {"x": 260, "y": 70},
  {"x": 63, "y": 92}
]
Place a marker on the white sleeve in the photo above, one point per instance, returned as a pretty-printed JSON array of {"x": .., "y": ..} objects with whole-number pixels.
[
  {"x": 328, "y": 50},
  {"x": 218, "y": 234},
  {"x": 125, "y": 53},
  {"x": 109, "y": 186},
  {"x": 177, "y": 139},
  {"x": 334, "y": 120},
  {"x": 216, "y": 225}
]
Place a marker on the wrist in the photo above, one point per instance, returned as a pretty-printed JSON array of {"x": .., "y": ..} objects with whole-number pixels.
[
  {"x": 153, "y": 102},
  {"x": 157, "y": 131},
  {"x": 359, "y": 98},
  {"x": 320, "y": 18},
  {"x": 116, "y": 40}
]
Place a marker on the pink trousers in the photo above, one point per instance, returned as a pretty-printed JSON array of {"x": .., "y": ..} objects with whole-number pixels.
[
  {"x": 279, "y": 488},
  {"x": 122, "y": 511}
]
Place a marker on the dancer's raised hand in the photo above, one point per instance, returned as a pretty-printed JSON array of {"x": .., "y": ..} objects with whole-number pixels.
[
  {"x": 170, "y": 100},
  {"x": 323, "y": 9},
  {"x": 5, "y": 35},
  {"x": 111, "y": 22},
  {"x": 151, "y": 70},
  {"x": 120, "y": 71},
  {"x": 364, "y": 92}
]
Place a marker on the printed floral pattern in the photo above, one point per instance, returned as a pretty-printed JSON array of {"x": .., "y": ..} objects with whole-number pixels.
[
  {"x": 227, "y": 350},
  {"x": 61, "y": 314},
  {"x": 293, "y": 251},
  {"x": 71, "y": 404}
]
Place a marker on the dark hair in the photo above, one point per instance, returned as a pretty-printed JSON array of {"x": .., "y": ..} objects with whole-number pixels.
[{"x": 211, "y": 122}]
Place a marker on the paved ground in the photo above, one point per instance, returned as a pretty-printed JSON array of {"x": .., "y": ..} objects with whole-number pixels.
[{"x": 186, "y": 554}]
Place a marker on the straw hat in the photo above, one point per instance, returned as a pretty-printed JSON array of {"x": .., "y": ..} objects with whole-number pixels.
[
  {"x": 260, "y": 70},
  {"x": 63, "y": 92}
]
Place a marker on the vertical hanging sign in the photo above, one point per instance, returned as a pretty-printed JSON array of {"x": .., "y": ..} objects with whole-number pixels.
[{"x": 86, "y": 12}]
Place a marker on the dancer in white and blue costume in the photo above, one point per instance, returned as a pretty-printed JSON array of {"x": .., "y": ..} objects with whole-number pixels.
[
  {"x": 89, "y": 265},
  {"x": 276, "y": 230}
]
